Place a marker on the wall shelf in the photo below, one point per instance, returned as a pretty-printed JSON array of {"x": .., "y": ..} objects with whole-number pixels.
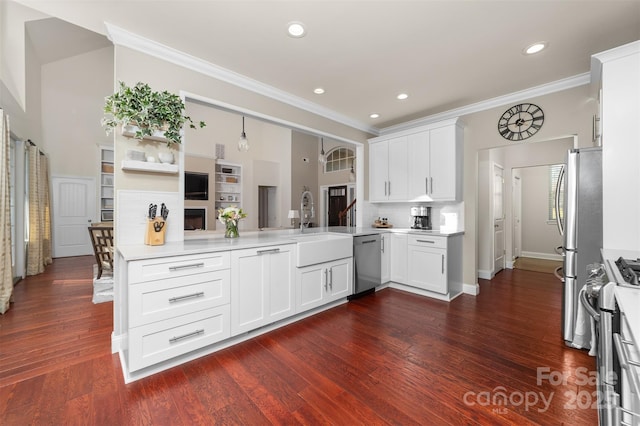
[{"x": 144, "y": 166}]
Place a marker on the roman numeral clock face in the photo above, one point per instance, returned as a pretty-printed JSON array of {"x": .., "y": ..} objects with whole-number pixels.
[{"x": 520, "y": 122}]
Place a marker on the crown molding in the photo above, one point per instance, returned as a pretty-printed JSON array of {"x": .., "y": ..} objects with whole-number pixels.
[
  {"x": 543, "y": 89},
  {"x": 121, "y": 37}
]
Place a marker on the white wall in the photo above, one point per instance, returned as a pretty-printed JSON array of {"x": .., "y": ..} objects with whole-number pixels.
[{"x": 539, "y": 235}]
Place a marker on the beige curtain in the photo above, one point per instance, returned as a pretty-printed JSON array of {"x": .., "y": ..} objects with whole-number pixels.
[
  {"x": 6, "y": 272},
  {"x": 39, "y": 248}
]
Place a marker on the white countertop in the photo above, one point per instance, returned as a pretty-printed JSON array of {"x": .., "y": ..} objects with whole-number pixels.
[{"x": 196, "y": 242}]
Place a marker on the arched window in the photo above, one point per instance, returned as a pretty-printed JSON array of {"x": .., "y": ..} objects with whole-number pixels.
[{"x": 339, "y": 159}]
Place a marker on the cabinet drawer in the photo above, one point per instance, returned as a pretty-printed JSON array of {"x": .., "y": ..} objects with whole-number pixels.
[
  {"x": 427, "y": 241},
  {"x": 164, "y": 299},
  {"x": 160, "y": 341},
  {"x": 176, "y": 266}
]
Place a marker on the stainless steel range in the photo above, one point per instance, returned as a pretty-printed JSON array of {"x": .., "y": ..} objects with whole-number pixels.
[{"x": 629, "y": 270}]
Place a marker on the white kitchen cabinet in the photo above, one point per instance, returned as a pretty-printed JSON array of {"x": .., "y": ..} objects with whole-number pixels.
[
  {"x": 323, "y": 283},
  {"x": 419, "y": 164},
  {"x": 262, "y": 286},
  {"x": 385, "y": 258},
  {"x": 388, "y": 170},
  {"x": 176, "y": 305},
  {"x": 398, "y": 258},
  {"x": 427, "y": 263},
  {"x": 615, "y": 75},
  {"x": 435, "y": 164}
]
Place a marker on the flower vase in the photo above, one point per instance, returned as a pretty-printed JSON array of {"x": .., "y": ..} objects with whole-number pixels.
[{"x": 231, "y": 229}]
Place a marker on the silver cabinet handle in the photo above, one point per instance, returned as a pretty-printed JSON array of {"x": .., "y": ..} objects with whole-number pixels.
[
  {"x": 368, "y": 241},
  {"x": 425, "y": 241},
  {"x": 382, "y": 246},
  {"x": 275, "y": 250},
  {"x": 186, "y": 296},
  {"x": 426, "y": 185},
  {"x": 331, "y": 278},
  {"x": 385, "y": 188},
  {"x": 326, "y": 280},
  {"x": 389, "y": 188},
  {"x": 443, "y": 264},
  {"x": 431, "y": 180},
  {"x": 186, "y": 336},
  {"x": 189, "y": 266}
]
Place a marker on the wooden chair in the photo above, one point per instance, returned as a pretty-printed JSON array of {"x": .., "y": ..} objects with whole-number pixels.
[{"x": 102, "y": 242}]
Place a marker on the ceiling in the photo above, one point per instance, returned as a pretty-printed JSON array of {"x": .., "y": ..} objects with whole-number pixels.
[{"x": 443, "y": 54}]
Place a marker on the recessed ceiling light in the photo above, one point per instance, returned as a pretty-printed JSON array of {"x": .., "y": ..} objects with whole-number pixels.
[
  {"x": 318, "y": 90},
  {"x": 402, "y": 96},
  {"x": 296, "y": 29},
  {"x": 535, "y": 48},
  {"x": 374, "y": 115}
]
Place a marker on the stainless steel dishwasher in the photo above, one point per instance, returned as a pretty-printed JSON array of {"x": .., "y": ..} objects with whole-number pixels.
[{"x": 366, "y": 253}]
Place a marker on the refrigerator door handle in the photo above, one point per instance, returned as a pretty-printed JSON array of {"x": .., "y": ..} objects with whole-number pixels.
[
  {"x": 557, "y": 201},
  {"x": 556, "y": 272}
]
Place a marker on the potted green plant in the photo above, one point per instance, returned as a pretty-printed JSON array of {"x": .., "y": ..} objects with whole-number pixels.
[{"x": 149, "y": 111}]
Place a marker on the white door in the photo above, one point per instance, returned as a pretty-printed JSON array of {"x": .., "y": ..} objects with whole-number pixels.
[
  {"x": 498, "y": 219},
  {"x": 74, "y": 208},
  {"x": 517, "y": 216}
]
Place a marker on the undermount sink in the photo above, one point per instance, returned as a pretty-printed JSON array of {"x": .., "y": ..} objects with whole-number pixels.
[{"x": 320, "y": 248}]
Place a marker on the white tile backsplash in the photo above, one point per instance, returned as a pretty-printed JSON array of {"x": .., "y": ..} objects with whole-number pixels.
[{"x": 449, "y": 217}]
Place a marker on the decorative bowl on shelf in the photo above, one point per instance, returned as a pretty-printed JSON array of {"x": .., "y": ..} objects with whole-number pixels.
[{"x": 166, "y": 157}]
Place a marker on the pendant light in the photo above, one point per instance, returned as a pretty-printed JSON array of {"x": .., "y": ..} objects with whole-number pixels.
[
  {"x": 243, "y": 143},
  {"x": 321, "y": 158}
]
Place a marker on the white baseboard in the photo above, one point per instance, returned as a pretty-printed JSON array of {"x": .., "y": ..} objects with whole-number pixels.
[
  {"x": 484, "y": 274},
  {"x": 509, "y": 264},
  {"x": 545, "y": 256},
  {"x": 116, "y": 343},
  {"x": 472, "y": 289}
]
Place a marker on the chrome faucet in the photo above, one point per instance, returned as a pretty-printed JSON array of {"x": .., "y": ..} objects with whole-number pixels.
[{"x": 303, "y": 216}]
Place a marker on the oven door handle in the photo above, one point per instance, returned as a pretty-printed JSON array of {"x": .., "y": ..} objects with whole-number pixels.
[{"x": 585, "y": 302}]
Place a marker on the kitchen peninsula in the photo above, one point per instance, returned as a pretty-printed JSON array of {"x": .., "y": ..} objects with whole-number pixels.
[{"x": 186, "y": 299}]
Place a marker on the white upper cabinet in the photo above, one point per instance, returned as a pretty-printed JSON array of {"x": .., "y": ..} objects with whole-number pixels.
[
  {"x": 388, "y": 170},
  {"x": 422, "y": 164}
]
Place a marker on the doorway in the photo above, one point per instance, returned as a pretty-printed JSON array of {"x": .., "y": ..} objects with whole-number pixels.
[
  {"x": 267, "y": 207},
  {"x": 337, "y": 203},
  {"x": 498, "y": 219},
  {"x": 513, "y": 157},
  {"x": 74, "y": 209}
]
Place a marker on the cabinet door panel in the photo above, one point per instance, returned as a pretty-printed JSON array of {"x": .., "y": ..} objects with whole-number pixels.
[
  {"x": 443, "y": 163},
  {"x": 248, "y": 291},
  {"x": 340, "y": 279},
  {"x": 378, "y": 171},
  {"x": 282, "y": 301},
  {"x": 311, "y": 287},
  {"x": 427, "y": 269},
  {"x": 399, "y": 258},
  {"x": 418, "y": 165},
  {"x": 398, "y": 159}
]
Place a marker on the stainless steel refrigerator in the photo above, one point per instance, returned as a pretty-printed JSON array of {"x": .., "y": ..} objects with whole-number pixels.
[{"x": 581, "y": 228}]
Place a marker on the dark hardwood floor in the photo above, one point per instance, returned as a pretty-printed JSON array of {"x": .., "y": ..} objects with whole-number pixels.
[{"x": 388, "y": 358}]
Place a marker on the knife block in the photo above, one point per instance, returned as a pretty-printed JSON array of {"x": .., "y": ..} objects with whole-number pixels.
[{"x": 154, "y": 235}]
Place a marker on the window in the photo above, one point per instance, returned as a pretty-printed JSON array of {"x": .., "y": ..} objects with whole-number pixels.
[
  {"x": 339, "y": 159},
  {"x": 554, "y": 174}
]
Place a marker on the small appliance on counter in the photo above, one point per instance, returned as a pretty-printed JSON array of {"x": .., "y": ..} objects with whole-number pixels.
[{"x": 421, "y": 217}]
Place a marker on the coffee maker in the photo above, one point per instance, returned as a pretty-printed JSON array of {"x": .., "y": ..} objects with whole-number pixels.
[{"x": 420, "y": 217}]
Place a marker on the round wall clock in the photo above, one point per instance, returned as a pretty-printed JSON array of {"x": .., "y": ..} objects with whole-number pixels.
[{"x": 520, "y": 122}]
